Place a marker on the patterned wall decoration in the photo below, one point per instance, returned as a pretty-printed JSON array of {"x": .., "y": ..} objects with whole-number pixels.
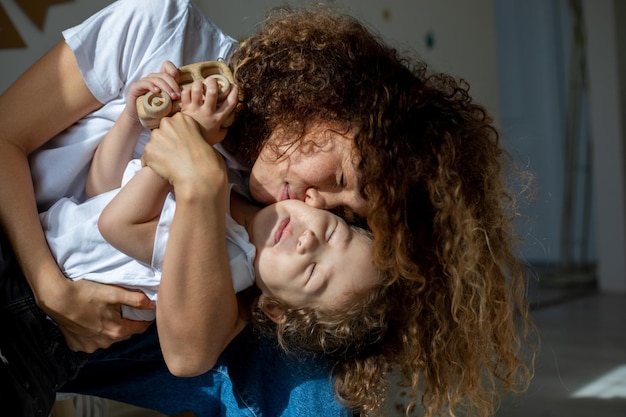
[{"x": 35, "y": 10}]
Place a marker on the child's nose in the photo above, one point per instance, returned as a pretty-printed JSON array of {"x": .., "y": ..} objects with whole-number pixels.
[{"x": 307, "y": 242}]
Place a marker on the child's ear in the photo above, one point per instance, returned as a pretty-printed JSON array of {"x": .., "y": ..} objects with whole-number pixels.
[{"x": 271, "y": 309}]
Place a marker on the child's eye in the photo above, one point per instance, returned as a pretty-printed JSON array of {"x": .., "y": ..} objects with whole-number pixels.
[{"x": 331, "y": 234}]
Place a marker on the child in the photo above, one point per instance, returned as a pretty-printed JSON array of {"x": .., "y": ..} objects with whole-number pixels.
[{"x": 305, "y": 259}]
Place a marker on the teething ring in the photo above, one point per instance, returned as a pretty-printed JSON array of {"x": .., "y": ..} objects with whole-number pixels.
[
  {"x": 223, "y": 86},
  {"x": 152, "y": 107},
  {"x": 157, "y": 104}
]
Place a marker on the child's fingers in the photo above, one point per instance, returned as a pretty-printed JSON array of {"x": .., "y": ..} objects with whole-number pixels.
[
  {"x": 169, "y": 68},
  {"x": 211, "y": 93},
  {"x": 166, "y": 83},
  {"x": 229, "y": 104},
  {"x": 166, "y": 80},
  {"x": 197, "y": 92}
]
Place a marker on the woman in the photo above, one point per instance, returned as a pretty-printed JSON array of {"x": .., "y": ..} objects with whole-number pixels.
[{"x": 329, "y": 115}]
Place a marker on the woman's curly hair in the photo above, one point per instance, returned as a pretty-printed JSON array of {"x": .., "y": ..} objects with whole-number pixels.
[{"x": 435, "y": 177}]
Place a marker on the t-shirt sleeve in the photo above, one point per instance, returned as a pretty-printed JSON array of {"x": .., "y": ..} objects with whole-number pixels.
[{"x": 131, "y": 38}]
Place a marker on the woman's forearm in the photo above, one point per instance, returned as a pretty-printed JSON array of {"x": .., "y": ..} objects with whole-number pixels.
[
  {"x": 56, "y": 88},
  {"x": 20, "y": 222},
  {"x": 197, "y": 307},
  {"x": 49, "y": 97},
  {"x": 197, "y": 311}
]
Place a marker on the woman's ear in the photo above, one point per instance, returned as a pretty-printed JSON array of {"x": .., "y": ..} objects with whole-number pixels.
[{"x": 271, "y": 309}]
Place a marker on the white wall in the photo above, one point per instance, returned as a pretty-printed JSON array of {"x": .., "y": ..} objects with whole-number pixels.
[
  {"x": 532, "y": 84},
  {"x": 60, "y": 16},
  {"x": 607, "y": 78},
  {"x": 463, "y": 33}
]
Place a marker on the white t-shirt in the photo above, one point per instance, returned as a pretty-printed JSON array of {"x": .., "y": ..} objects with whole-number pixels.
[
  {"x": 82, "y": 252},
  {"x": 114, "y": 48}
]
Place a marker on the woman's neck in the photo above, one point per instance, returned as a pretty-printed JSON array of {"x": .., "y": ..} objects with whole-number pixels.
[{"x": 243, "y": 210}]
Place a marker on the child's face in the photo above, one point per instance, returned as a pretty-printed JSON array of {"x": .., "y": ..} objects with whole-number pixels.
[{"x": 309, "y": 257}]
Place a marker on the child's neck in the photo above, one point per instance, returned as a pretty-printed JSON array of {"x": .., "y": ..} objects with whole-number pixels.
[{"x": 243, "y": 210}]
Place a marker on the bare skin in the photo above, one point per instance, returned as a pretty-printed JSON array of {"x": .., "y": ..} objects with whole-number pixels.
[{"x": 92, "y": 319}]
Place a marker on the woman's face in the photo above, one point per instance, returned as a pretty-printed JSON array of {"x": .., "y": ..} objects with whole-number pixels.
[{"x": 321, "y": 172}]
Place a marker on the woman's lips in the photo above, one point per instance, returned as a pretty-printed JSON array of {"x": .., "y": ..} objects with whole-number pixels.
[
  {"x": 280, "y": 230},
  {"x": 285, "y": 193}
]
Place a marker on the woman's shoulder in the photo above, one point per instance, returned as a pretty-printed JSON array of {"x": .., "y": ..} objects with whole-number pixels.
[{"x": 131, "y": 38}]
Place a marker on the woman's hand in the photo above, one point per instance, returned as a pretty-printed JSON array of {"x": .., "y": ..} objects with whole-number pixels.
[
  {"x": 93, "y": 319},
  {"x": 178, "y": 152}
]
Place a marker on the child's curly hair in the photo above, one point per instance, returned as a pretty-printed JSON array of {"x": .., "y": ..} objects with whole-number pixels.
[
  {"x": 349, "y": 335},
  {"x": 433, "y": 172}
]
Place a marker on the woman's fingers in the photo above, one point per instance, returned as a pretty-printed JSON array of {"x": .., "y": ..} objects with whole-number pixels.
[{"x": 97, "y": 322}]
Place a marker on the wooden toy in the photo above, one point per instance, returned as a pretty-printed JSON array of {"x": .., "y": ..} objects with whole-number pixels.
[{"x": 152, "y": 107}]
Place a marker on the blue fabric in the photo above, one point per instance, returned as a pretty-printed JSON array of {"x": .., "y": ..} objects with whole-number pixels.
[{"x": 253, "y": 377}]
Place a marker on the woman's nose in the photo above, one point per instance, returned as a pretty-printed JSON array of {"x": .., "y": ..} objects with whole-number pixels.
[{"x": 307, "y": 242}]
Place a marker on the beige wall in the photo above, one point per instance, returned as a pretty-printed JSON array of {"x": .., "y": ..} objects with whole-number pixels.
[
  {"x": 60, "y": 16},
  {"x": 463, "y": 33},
  {"x": 607, "y": 57}
]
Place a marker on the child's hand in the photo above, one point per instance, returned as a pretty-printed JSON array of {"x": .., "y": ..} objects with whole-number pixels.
[
  {"x": 199, "y": 100},
  {"x": 166, "y": 81}
]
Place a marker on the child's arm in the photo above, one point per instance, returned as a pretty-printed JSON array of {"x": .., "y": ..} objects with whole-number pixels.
[
  {"x": 129, "y": 221},
  {"x": 116, "y": 148}
]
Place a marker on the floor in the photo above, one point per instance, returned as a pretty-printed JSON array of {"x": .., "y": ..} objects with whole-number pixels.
[{"x": 581, "y": 367}]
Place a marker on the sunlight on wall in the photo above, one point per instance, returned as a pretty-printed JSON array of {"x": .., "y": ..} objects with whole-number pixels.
[{"x": 610, "y": 385}]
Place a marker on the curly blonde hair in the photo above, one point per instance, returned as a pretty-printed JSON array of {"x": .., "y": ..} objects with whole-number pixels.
[
  {"x": 435, "y": 177},
  {"x": 349, "y": 336}
]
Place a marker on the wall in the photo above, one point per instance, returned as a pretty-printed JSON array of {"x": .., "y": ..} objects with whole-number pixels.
[
  {"x": 532, "y": 70},
  {"x": 453, "y": 36},
  {"x": 59, "y": 16},
  {"x": 607, "y": 69},
  {"x": 463, "y": 42}
]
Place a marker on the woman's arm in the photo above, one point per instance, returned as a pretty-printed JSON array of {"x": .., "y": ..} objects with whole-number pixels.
[
  {"x": 46, "y": 99},
  {"x": 197, "y": 312},
  {"x": 129, "y": 221}
]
